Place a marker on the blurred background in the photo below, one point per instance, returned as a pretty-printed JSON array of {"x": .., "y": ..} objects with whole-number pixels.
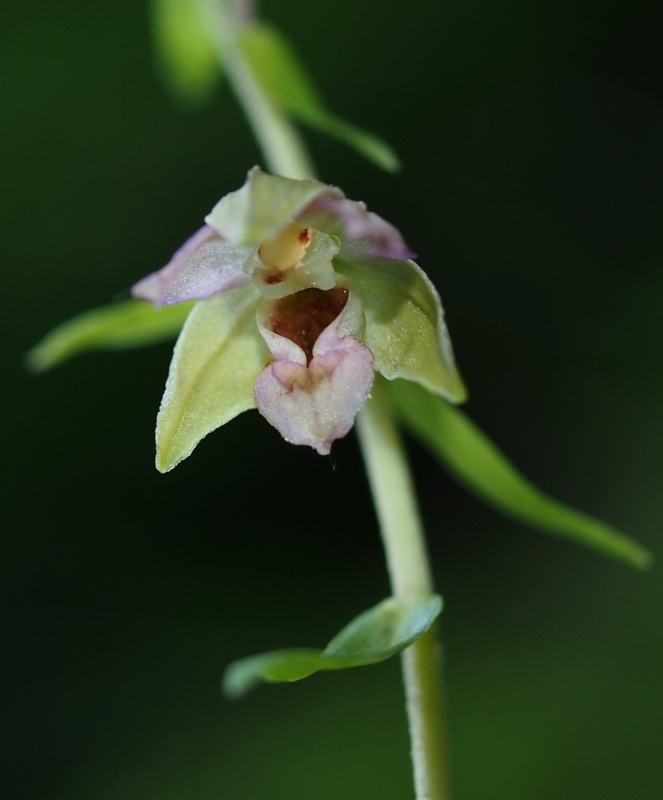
[{"x": 532, "y": 141}]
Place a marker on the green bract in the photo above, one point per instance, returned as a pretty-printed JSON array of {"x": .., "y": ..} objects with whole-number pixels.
[
  {"x": 375, "y": 635},
  {"x": 196, "y": 43},
  {"x": 186, "y": 53},
  {"x": 120, "y": 326},
  {"x": 287, "y": 83},
  {"x": 472, "y": 458}
]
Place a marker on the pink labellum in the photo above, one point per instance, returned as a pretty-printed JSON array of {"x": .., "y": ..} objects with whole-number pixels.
[{"x": 320, "y": 376}]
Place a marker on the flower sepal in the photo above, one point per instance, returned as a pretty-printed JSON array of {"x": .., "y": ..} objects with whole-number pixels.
[
  {"x": 405, "y": 328},
  {"x": 210, "y": 381}
]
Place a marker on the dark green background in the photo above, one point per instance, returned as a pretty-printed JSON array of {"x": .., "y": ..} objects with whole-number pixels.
[{"x": 532, "y": 139}]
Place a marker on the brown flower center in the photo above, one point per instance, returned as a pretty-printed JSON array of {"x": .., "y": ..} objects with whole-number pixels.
[{"x": 302, "y": 316}]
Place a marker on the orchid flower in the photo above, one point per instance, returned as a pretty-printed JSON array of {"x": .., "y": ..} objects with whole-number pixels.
[{"x": 303, "y": 294}]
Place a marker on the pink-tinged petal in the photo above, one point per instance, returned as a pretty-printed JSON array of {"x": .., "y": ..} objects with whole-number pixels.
[
  {"x": 203, "y": 266},
  {"x": 364, "y": 234},
  {"x": 312, "y": 398}
]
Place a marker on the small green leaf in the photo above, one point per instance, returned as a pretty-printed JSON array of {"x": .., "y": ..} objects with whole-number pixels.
[
  {"x": 405, "y": 327},
  {"x": 375, "y": 635},
  {"x": 131, "y": 323},
  {"x": 215, "y": 363},
  {"x": 384, "y": 630},
  {"x": 186, "y": 54},
  {"x": 278, "y": 69},
  {"x": 287, "y": 83},
  {"x": 475, "y": 461},
  {"x": 372, "y": 147}
]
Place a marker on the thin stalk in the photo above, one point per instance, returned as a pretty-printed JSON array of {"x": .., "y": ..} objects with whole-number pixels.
[
  {"x": 281, "y": 144},
  {"x": 388, "y": 471},
  {"x": 409, "y": 571}
]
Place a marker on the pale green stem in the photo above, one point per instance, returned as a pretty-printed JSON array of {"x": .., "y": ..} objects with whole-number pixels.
[
  {"x": 278, "y": 139},
  {"x": 409, "y": 570},
  {"x": 387, "y": 466}
]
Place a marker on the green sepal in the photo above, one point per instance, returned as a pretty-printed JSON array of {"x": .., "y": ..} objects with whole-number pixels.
[
  {"x": 121, "y": 326},
  {"x": 186, "y": 54},
  {"x": 263, "y": 206},
  {"x": 287, "y": 83},
  {"x": 477, "y": 463},
  {"x": 405, "y": 327},
  {"x": 377, "y": 634},
  {"x": 215, "y": 363}
]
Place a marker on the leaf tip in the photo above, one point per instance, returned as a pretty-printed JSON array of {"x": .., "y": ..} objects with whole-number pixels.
[
  {"x": 384, "y": 156},
  {"x": 234, "y": 684},
  {"x": 458, "y": 393},
  {"x": 641, "y": 558},
  {"x": 165, "y": 460},
  {"x": 37, "y": 360}
]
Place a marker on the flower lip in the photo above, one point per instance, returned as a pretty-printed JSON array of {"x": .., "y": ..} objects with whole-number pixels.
[
  {"x": 303, "y": 316},
  {"x": 321, "y": 373}
]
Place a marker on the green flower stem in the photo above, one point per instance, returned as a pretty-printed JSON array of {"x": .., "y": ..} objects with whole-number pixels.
[
  {"x": 388, "y": 470},
  {"x": 409, "y": 570},
  {"x": 278, "y": 139}
]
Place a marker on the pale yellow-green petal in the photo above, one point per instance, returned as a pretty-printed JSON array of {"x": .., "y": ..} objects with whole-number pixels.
[
  {"x": 263, "y": 207},
  {"x": 405, "y": 327},
  {"x": 214, "y": 366}
]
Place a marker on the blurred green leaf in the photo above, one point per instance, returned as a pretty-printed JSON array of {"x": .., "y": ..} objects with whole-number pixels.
[
  {"x": 475, "y": 461},
  {"x": 377, "y": 634},
  {"x": 405, "y": 327},
  {"x": 287, "y": 83},
  {"x": 187, "y": 58},
  {"x": 124, "y": 325},
  {"x": 214, "y": 366}
]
